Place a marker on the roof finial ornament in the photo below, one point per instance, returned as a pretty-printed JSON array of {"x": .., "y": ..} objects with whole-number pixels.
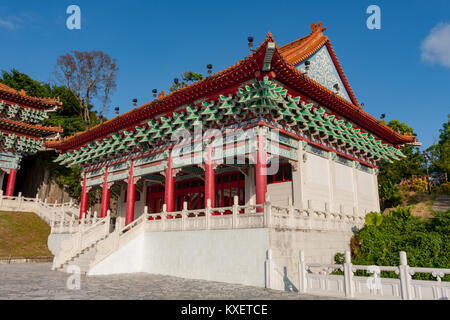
[{"x": 317, "y": 27}]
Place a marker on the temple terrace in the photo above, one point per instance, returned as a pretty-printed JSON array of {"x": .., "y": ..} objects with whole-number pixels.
[{"x": 269, "y": 156}]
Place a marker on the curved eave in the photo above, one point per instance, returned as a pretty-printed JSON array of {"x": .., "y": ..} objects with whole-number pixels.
[
  {"x": 28, "y": 129},
  {"x": 20, "y": 97}
]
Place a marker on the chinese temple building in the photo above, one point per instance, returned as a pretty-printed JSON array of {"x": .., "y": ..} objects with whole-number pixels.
[
  {"x": 21, "y": 132},
  {"x": 288, "y": 108}
]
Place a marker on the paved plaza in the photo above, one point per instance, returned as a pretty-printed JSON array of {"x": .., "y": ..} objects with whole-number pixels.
[{"x": 37, "y": 281}]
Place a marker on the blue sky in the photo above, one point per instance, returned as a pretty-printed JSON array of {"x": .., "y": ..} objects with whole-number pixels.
[{"x": 155, "y": 41}]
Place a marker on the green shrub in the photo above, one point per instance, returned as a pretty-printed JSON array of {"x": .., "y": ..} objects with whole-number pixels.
[
  {"x": 389, "y": 195},
  {"x": 426, "y": 242},
  {"x": 419, "y": 185},
  {"x": 444, "y": 188}
]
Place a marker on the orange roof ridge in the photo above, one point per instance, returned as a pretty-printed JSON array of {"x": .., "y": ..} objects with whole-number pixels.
[
  {"x": 22, "y": 93},
  {"x": 269, "y": 37},
  {"x": 300, "y": 49},
  {"x": 33, "y": 126}
]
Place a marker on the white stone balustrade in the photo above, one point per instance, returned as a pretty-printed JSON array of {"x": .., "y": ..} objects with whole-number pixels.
[
  {"x": 62, "y": 217},
  {"x": 317, "y": 279}
]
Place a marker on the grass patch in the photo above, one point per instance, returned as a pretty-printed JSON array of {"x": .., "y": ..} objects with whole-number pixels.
[
  {"x": 23, "y": 234},
  {"x": 421, "y": 203}
]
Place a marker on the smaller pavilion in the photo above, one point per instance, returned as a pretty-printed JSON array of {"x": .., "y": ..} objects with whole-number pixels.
[{"x": 21, "y": 130}]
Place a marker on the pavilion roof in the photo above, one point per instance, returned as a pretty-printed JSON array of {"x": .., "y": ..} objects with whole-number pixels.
[
  {"x": 33, "y": 130},
  {"x": 228, "y": 80},
  {"x": 21, "y": 97}
]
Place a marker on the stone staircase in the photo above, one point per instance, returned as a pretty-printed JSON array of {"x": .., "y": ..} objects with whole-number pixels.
[{"x": 83, "y": 259}]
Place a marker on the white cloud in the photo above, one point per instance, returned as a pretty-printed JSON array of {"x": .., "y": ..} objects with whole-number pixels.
[
  {"x": 6, "y": 24},
  {"x": 436, "y": 46}
]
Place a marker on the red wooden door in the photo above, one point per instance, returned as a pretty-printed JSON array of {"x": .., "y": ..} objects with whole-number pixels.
[{"x": 155, "y": 198}]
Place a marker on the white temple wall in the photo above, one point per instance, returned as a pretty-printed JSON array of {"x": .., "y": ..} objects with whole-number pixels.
[
  {"x": 128, "y": 259},
  {"x": 280, "y": 193},
  {"x": 343, "y": 188},
  {"x": 316, "y": 183},
  {"x": 367, "y": 192},
  {"x": 319, "y": 247},
  {"x": 232, "y": 256},
  {"x": 250, "y": 188}
]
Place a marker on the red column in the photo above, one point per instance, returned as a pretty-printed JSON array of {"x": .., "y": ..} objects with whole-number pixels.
[
  {"x": 11, "y": 182},
  {"x": 84, "y": 198},
  {"x": 261, "y": 171},
  {"x": 105, "y": 196},
  {"x": 130, "y": 197},
  {"x": 209, "y": 178},
  {"x": 169, "y": 187}
]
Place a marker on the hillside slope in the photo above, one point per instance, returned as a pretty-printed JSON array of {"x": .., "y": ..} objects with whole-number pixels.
[{"x": 23, "y": 234}]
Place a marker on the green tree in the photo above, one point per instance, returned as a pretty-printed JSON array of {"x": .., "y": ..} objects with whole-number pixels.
[
  {"x": 439, "y": 153},
  {"x": 68, "y": 117},
  {"x": 392, "y": 173},
  {"x": 426, "y": 242},
  {"x": 186, "y": 78}
]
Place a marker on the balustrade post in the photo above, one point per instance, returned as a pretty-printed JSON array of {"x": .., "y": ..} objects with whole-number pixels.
[
  {"x": 83, "y": 221},
  {"x": 327, "y": 208},
  {"x": 327, "y": 216},
  {"x": 163, "y": 217},
  {"x": 405, "y": 277},
  {"x": 1, "y": 197},
  {"x": 53, "y": 221},
  {"x": 108, "y": 221},
  {"x": 20, "y": 200},
  {"x": 63, "y": 223},
  {"x": 235, "y": 212},
  {"x": 184, "y": 215},
  {"x": 36, "y": 201},
  {"x": 290, "y": 213},
  {"x": 310, "y": 212},
  {"x": 348, "y": 275},
  {"x": 208, "y": 214},
  {"x": 302, "y": 280},
  {"x": 71, "y": 223},
  {"x": 267, "y": 212},
  {"x": 269, "y": 269},
  {"x": 94, "y": 220}
]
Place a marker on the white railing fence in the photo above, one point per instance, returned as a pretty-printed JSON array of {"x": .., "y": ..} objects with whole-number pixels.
[
  {"x": 62, "y": 217},
  {"x": 250, "y": 216},
  {"x": 235, "y": 216},
  {"x": 314, "y": 278},
  {"x": 88, "y": 234}
]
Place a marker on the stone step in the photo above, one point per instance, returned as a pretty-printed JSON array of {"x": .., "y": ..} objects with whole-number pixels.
[{"x": 83, "y": 259}]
